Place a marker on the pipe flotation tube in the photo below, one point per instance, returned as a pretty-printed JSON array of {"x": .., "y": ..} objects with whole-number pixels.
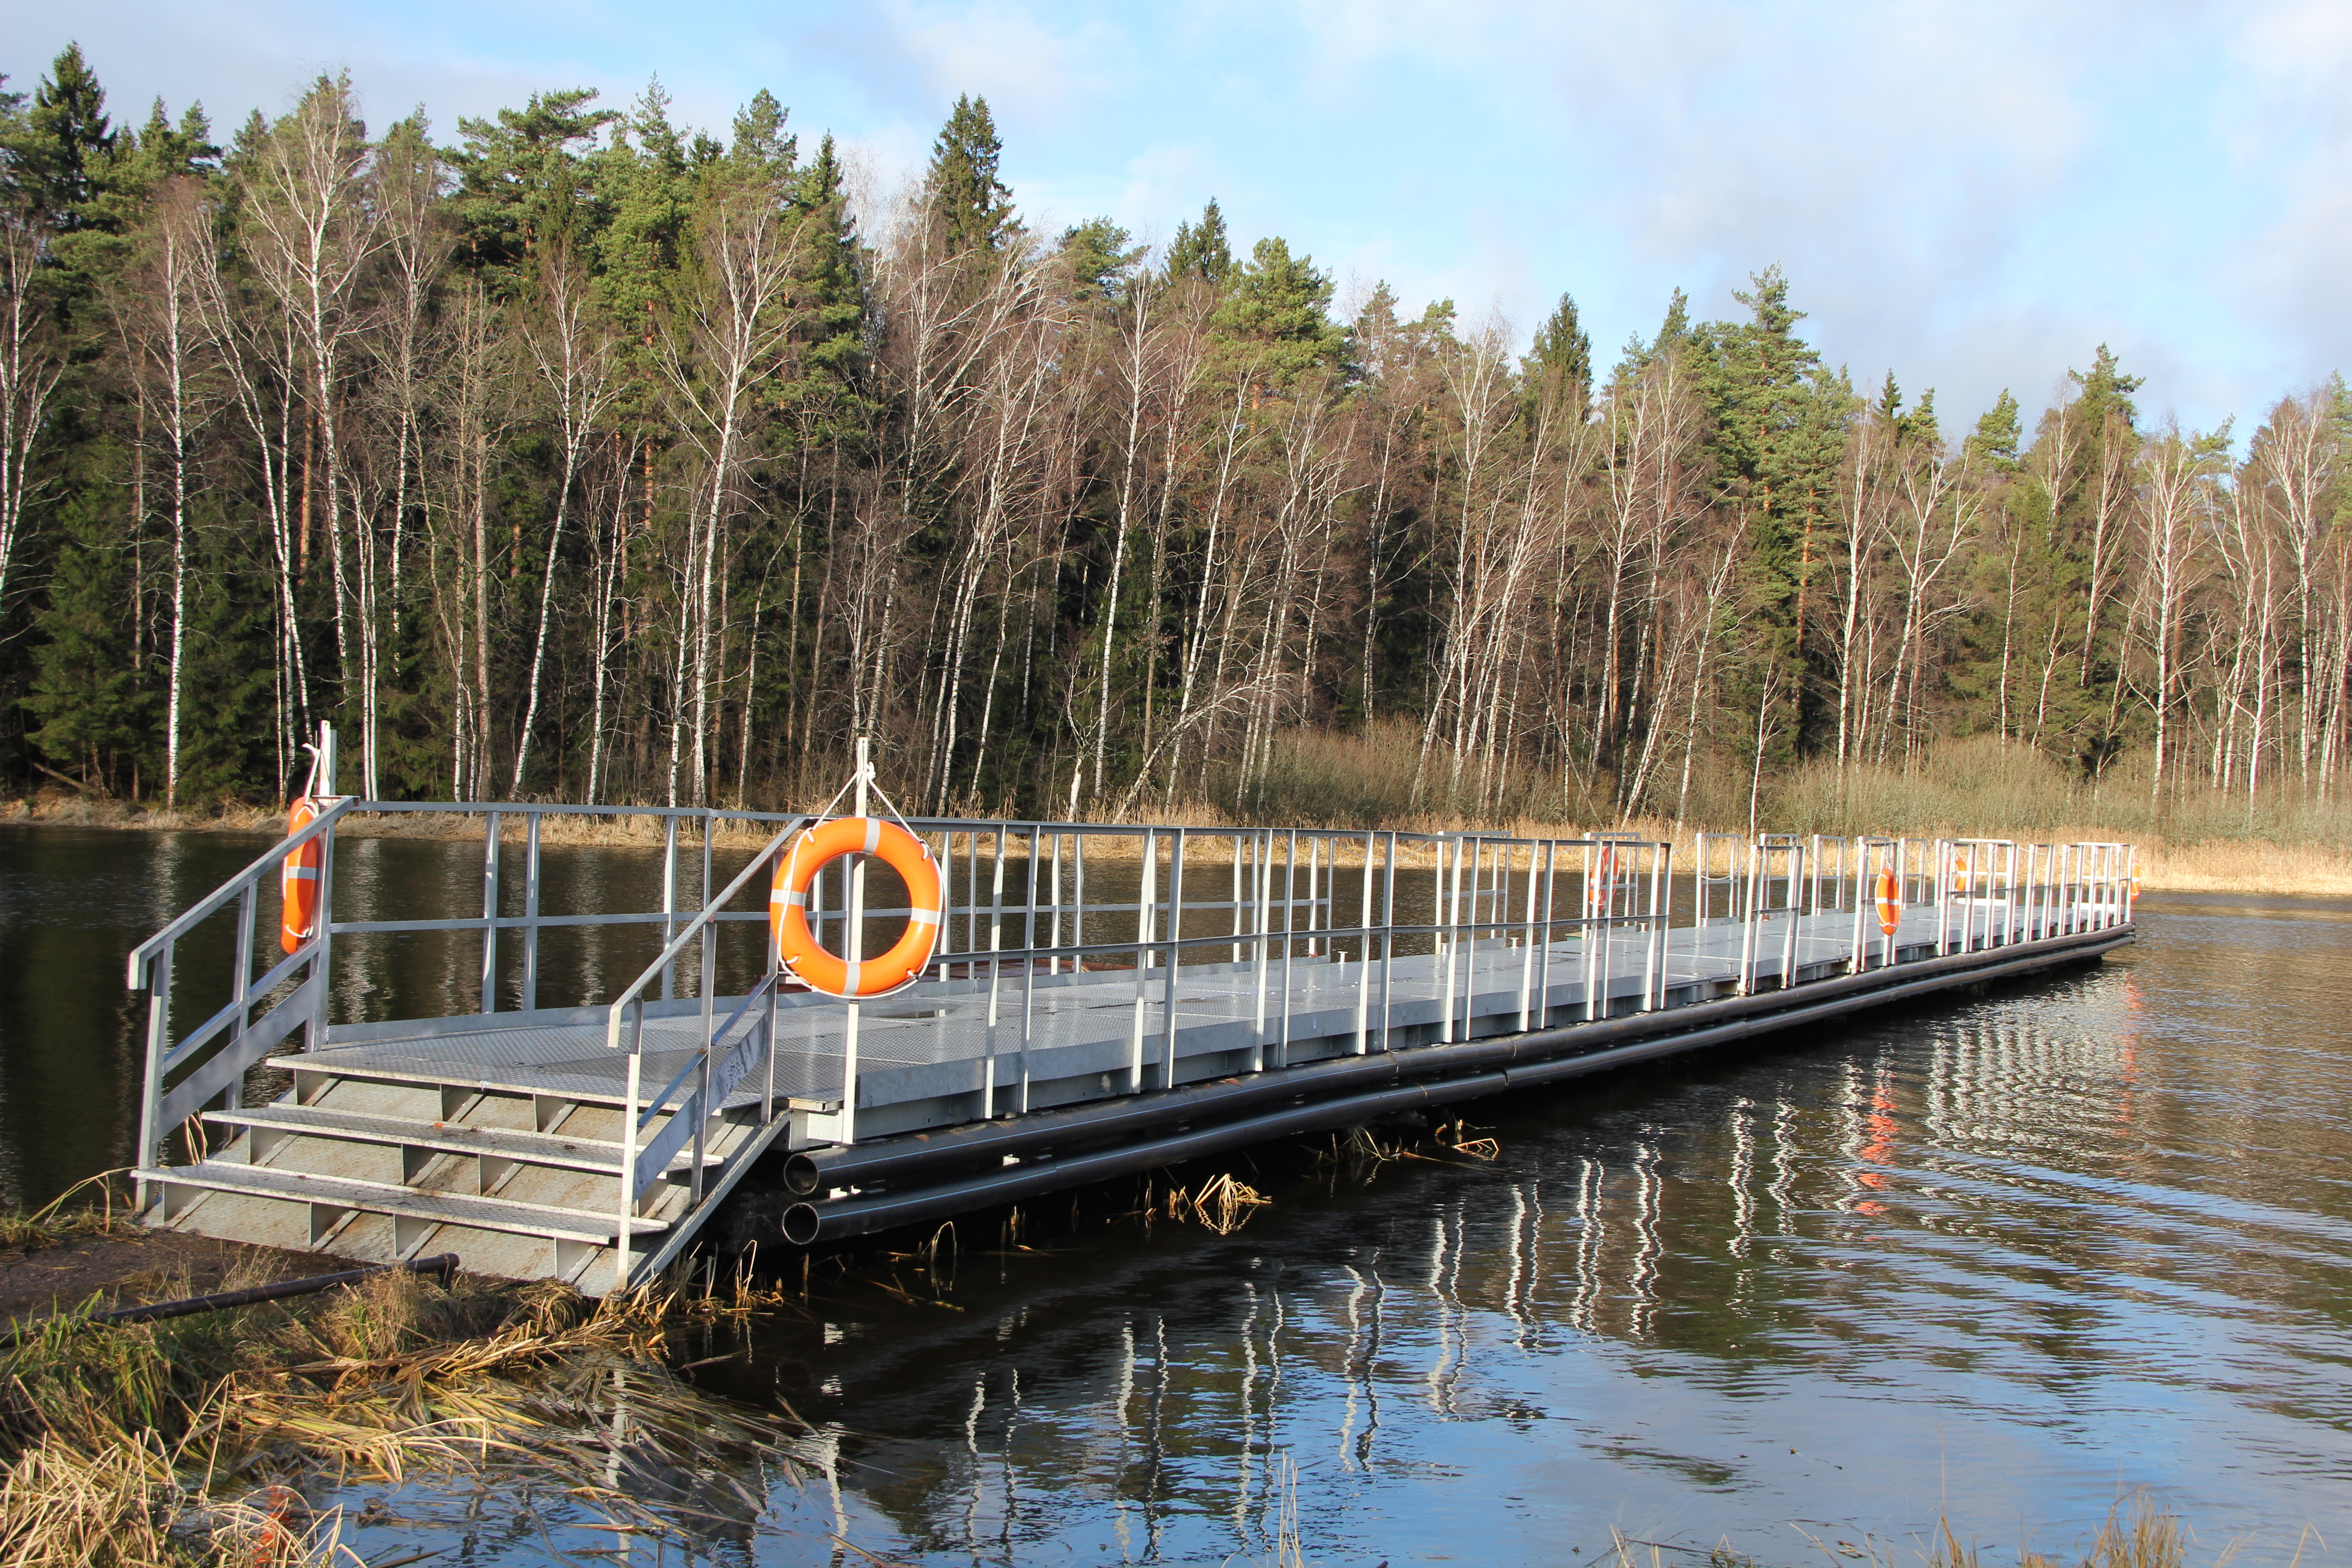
[{"x": 818, "y": 847}]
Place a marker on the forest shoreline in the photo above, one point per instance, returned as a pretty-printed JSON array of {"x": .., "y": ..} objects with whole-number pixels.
[{"x": 2250, "y": 865}]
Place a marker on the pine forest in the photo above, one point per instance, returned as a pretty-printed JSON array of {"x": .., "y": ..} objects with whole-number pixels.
[{"x": 580, "y": 455}]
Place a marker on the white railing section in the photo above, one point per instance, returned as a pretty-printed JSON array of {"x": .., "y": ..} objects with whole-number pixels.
[{"x": 1032, "y": 906}]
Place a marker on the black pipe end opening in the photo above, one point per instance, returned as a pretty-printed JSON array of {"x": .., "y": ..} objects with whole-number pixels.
[
  {"x": 801, "y": 1224},
  {"x": 801, "y": 1177}
]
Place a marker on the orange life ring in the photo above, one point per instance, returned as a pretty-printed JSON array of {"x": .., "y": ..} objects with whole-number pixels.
[
  {"x": 298, "y": 882},
  {"x": 818, "y": 847},
  {"x": 1963, "y": 873},
  {"x": 1601, "y": 891},
  {"x": 1890, "y": 901}
]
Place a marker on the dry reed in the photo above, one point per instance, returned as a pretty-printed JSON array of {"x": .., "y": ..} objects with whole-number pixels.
[{"x": 191, "y": 1440}]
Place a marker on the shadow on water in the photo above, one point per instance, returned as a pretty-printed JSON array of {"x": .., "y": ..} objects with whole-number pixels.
[{"x": 2006, "y": 1260}]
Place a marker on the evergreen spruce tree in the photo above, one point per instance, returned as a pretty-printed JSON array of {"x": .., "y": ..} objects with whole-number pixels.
[
  {"x": 1559, "y": 363},
  {"x": 58, "y": 151},
  {"x": 1202, "y": 250},
  {"x": 972, "y": 207},
  {"x": 1779, "y": 426},
  {"x": 94, "y": 721},
  {"x": 834, "y": 330}
]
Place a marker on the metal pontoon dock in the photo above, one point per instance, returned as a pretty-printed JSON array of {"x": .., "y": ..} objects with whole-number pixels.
[{"x": 1103, "y": 1000}]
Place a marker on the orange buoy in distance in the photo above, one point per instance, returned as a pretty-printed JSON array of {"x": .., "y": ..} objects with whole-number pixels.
[
  {"x": 1890, "y": 901},
  {"x": 298, "y": 882},
  {"x": 818, "y": 847}
]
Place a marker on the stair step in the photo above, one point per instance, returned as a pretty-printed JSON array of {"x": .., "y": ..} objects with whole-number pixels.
[
  {"x": 406, "y": 1204},
  {"x": 596, "y": 1155}
]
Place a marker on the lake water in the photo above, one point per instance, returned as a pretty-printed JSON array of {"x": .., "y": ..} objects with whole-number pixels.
[{"x": 2006, "y": 1260}]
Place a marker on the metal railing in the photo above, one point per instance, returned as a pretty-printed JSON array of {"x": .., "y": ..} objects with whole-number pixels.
[
  {"x": 713, "y": 1074},
  {"x": 1402, "y": 937}
]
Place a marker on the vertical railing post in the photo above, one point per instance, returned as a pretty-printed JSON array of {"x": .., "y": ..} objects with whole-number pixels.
[
  {"x": 241, "y": 978},
  {"x": 1364, "y": 951},
  {"x": 670, "y": 901},
  {"x": 1388, "y": 939},
  {"x": 1791, "y": 950},
  {"x": 995, "y": 973},
  {"x": 628, "y": 1155},
  {"x": 1653, "y": 950},
  {"x": 159, "y": 1046},
  {"x": 1550, "y": 917},
  {"x": 490, "y": 913},
  {"x": 1527, "y": 943},
  {"x": 853, "y": 948},
  {"x": 702, "y": 1100},
  {"x": 1943, "y": 899},
  {"x": 1029, "y": 965},
  {"x": 1175, "y": 958},
  {"x": 322, "y": 945},
  {"x": 774, "y": 967},
  {"x": 530, "y": 917},
  {"x": 1449, "y": 912},
  {"x": 1289, "y": 927},
  {"x": 1238, "y": 897},
  {"x": 1145, "y": 894}
]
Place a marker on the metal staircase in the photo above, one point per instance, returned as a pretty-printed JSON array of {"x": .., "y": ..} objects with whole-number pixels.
[{"x": 395, "y": 1141}]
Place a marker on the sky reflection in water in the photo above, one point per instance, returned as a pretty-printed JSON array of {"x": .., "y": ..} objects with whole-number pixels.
[{"x": 2007, "y": 1261}]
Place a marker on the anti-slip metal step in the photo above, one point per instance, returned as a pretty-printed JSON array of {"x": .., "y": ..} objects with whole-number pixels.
[
  {"x": 415, "y": 1213},
  {"x": 267, "y": 1126}
]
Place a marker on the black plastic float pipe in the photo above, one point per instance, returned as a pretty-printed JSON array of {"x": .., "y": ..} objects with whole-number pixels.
[
  {"x": 444, "y": 1265},
  {"x": 809, "y": 1172},
  {"x": 806, "y": 1224}
]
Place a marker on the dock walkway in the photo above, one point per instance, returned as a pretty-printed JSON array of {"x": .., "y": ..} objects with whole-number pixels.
[{"x": 591, "y": 1143}]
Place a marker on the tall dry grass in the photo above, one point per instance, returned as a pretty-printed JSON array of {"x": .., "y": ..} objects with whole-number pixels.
[
  {"x": 2195, "y": 838},
  {"x": 197, "y": 1440}
]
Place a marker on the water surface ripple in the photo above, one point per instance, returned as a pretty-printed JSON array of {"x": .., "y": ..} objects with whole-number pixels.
[{"x": 2007, "y": 1259}]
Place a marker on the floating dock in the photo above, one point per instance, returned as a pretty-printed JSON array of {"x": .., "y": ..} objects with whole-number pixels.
[{"x": 1102, "y": 1000}]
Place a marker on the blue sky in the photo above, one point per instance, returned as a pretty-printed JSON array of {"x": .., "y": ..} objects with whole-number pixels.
[{"x": 1972, "y": 195}]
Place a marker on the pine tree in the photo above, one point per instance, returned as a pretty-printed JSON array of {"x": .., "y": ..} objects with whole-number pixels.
[
  {"x": 521, "y": 177},
  {"x": 972, "y": 207},
  {"x": 1279, "y": 314},
  {"x": 1099, "y": 257},
  {"x": 1997, "y": 434},
  {"x": 761, "y": 147},
  {"x": 646, "y": 182}
]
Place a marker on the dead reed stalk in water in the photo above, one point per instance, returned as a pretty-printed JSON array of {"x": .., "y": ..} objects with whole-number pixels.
[
  {"x": 1224, "y": 1206},
  {"x": 117, "y": 1440}
]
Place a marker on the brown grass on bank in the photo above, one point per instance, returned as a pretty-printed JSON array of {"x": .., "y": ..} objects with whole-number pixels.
[
  {"x": 2195, "y": 839},
  {"x": 193, "y": 1440}
]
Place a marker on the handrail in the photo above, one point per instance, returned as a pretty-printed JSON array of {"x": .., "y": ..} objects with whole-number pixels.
[
  {"x": 692, "y": 928},
  {"x": 144, "y": 956}
]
